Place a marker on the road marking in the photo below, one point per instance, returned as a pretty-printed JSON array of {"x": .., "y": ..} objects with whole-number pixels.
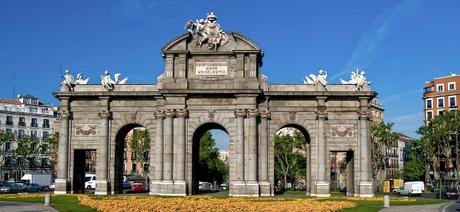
[{"x": 448, "y": 205}]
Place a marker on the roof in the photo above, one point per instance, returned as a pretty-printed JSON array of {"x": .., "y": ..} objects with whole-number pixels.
[
  {"x": 10, "y": 101},
  {"x": 28, "y": 96}
]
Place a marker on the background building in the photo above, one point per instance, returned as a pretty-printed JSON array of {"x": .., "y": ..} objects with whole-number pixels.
[
  {"x": 25, "y": 116},
  {"x": 441, "y": 95}
]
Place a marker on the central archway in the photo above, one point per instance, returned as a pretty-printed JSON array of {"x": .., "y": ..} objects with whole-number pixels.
[
  {"x": 292, "y": 158},
  {"x": 210, "y": 177}
]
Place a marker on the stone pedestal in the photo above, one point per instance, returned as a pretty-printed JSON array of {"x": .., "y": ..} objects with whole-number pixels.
[
  {"x": 265, "y": 189},
  {"x": 62, "y": 186},
  {"x": 102, "y": 187},
  {"x": 170, "y": 188},
  {"x": 365, "y": 189},
  {"x": 322, "y": 189},
  {"x": 244, "y": 190}
]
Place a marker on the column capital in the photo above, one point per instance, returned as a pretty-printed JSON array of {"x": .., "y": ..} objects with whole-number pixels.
[
  {"x": 240, "y": 113},
  {"x": 65, "y": 114},
  {"x": 181, "y": 113},
  {"x": 104, "y": 114},
  {"x": 159, "y": 114},
  {"x": 266, "y": 114},
  {"x": 253, "y": 113},
  {"x": 364, "y": 115},
  {"x": 321, "y": 114},
  {"x": 169, "y": 113}
]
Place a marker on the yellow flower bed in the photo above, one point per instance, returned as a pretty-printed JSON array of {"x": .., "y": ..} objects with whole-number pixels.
[
  {"x": 133, "y": 203},
  {"x": 14, "y": 196}
]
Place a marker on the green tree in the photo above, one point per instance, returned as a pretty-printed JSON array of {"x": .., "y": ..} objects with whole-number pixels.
[
  {"x": 415, "y": 167},
  {"x": 140, "y": 146},
  {"x": 211, "y": 167},
  {"x": 290, "y": 159},
  {"x": 382, "y": 137}
]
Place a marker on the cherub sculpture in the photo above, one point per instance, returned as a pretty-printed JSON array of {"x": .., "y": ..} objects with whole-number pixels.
[
  {"x": 315, "y": 79},
  {"x": 106, "y": 81},
  {"x": 117, "y": 79},
  {"x": 68, "y": 80},
  {"x": 357, "y": 78},
  {"x": 80, "y": 79}
]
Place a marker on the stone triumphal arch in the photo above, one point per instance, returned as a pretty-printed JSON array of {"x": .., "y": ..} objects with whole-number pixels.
[{"x": 213, "y": 79}]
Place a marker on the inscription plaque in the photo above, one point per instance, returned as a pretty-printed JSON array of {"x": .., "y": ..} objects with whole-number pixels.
[{"x": 211, "y": 68}]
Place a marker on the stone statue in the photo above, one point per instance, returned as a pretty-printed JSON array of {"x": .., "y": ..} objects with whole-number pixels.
[
  {"x": 357, "y": 78},
  {"x": 68, "y": 80},
  {"x": 106, "y": 81},
  {"x": 117, "y": 79},
  {"x": 315, "y": 79},
  {"x": 209, "y": 31},
  {"x": 80, "y": 79}
]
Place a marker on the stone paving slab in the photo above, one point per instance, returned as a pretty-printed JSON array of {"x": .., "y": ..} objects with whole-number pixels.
[
  {"x": 24, "y": 207},
  {"x": 418, "y": 208}
]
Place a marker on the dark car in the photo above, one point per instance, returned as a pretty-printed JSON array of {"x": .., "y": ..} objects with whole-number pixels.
[
  {"x": 450, "y": 193},
  {"x": 126, "y": 185},
  {"x": 34, "y": 187},
  {"x": 7, "y": 187}
]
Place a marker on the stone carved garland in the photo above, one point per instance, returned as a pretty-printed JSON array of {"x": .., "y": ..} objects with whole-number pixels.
[
  {"x": 345, "y": 130},
  {"x": 86, "y": 129}
]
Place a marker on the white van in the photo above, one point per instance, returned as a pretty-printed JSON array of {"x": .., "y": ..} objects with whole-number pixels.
[
  {"x": 90, "y": 181},
  {"x": 413, "y": 188}
]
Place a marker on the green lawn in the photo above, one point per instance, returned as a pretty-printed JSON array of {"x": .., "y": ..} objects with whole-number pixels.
[{"x": 59, "y": 202}]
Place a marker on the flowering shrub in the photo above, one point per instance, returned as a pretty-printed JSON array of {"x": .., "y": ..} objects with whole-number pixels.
[{"x": 132, "y": 203}]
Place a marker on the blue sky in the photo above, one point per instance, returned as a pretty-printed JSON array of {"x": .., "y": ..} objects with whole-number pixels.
[{"x": 399, "y": 43}]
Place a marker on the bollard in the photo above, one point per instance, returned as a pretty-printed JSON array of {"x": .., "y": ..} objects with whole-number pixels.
[
  {"x": 386, "y": 201},
  {"x": 47, "y": 199}
]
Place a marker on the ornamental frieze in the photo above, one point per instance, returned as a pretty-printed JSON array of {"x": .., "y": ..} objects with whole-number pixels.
[
  {"x": 86, "y": 129},
  {"x": 344, "y": 130}
]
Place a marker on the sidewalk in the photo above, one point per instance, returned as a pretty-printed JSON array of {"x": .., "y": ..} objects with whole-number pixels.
[
  {"x": 418, "y": 208},
  {"x": 24, "y": 207}
]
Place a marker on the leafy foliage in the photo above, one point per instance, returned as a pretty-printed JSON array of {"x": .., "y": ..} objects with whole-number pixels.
[
  {"x": 211, "y": 168},
  {"x": 290, "y": 158},
  {"x": 140, "y": 146},
  {"x": 382, "y": 137},
  {"x": 415, "y": 168}
]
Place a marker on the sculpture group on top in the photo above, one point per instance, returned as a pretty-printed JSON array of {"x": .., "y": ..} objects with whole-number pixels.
[
  {"x": 208, "y": 31},
  {"x": 357, "y": 78},
  {"x": 70, "y": 82},
  {"x": 106, "y": 80}
]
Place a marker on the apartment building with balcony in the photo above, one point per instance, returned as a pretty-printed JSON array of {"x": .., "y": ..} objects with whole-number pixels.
[
  {"x": 441, "y": 94},
  {"x": 25, "y": 116}
]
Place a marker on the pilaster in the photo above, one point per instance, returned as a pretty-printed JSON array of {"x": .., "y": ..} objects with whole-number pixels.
[{"x": 62, "y": 182}]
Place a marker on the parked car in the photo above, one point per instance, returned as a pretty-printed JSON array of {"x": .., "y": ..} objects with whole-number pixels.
[
  {"x": 52, "y": 186},
  {"x": 137, "y": 187},
  {"x": 8, "y": 187},
  {"x": 450, "y": 193},
  {"x": 126, "y": 185},
  {"x": 34, "y": 187}
]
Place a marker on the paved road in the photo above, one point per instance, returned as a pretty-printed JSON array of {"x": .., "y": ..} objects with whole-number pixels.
[
  {"x": 453, "y": 206},
  {"x": 24, "y": 207},
  {"x": 418, "y": 208}
]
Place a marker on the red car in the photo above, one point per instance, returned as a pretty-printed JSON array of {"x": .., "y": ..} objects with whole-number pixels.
[{"x": 137, "y": 187}]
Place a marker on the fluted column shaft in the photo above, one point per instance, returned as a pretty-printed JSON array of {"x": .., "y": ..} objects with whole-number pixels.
[
  {"x": 252, "y": 146},
  {"x": 158, "y": 157},
  {"x": 103, "y": 150},
  {"x": 239, "y": 163},
  {"x": 179, "y": 146},
  {"x": 321, "y": 147},
  {"x": 364, "y": 141},
  {"x": 168, "y": 146},
  {"x": 63, "y": 149},
  {"x": 263, "y": 145}
]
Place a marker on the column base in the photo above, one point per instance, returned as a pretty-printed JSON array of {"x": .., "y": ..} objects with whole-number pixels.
[
  {"x": 321, "y": 189},
  {"x": 169, "y": 188},
  {"x": 102, "y": 187},
  {"x": 266, "y": 189},
  {"x": 242, "y": 189},
  {"x": 62, "y": 186},
  {"x": 366, "y": 189}
]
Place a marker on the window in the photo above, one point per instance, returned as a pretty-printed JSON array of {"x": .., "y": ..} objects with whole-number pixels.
[
  {"x": 46, "y": 134},
  {"x": 21, "y": 133},
  {"x": 22, "y": 121},
  {"x": 34, "y": 122},
  {"x": 452, "y": 101},
  {"x": 133, "y": 168},
  {"x": 9, "y": 120},
  {"x": 7, "y": 146},
  {"x": 440, "y": 102},
  {"x": 440, "y": 87},
  {"x": 7, "y": 161},
  {"x": 46, "y": 123},
  {"x": 451, "y": 86},
  {"x": 440, "y": 112},
  {"x": 44, "y": 162},
  {"x": 429, "y": 115},
  {"x": 8, "y": 130},
  {"x": 33, "y": 134},
  {"x": 33, "y": 109},
  {"x": 429, "y": 103}
]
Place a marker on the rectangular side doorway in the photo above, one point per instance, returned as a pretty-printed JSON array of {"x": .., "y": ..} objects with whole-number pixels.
[{"x": 83, "y": 164}]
